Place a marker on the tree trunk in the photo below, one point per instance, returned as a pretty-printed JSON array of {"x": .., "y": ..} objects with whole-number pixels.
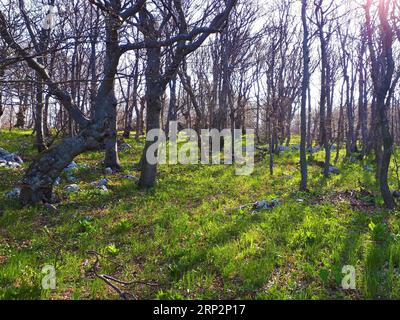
[
  {"x": 171, "y": 116},
  {"x": 382, "y": 69},
  {"x": 139, "y": 118},
  {"x": 38, "y": 181},
  {"x": 1, "y": 93},
  {"x": 111, "y": 159},
  {"x": 309, "y": 135},
  {"x": 304, "y": 87},
  {"x": 133, "y": 105},
  {"x": 37, "y": 184},
  {"x": 39, "y": 115},
  {"x": 387, "y": 141},
  {"x": 154, "y": 92},
  {"x": 22, "y": 108}
]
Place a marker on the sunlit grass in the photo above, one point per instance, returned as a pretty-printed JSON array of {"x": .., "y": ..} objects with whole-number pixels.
[{"x": 190, "y": 235}]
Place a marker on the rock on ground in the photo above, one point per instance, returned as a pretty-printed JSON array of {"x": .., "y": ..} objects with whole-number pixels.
[
  {"x": 9, "y": 160},
  {"x": 109, "y": 170},
  {"x": 100, "y": 183},
  {"x": 264, "y": 204},
  {"x": 57, "y": 181},
  {"x": 14, "y": 194},
  {"x": 103, "y": 189},
  {"x": 71, "y": 167},
  {"x": 72, "y": 188}
]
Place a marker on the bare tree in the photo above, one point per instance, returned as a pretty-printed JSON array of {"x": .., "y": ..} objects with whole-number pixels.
[
  {"x": 187, "y": 41},
  {"x": 40, "y": 176},
  {"x": 382, "y": 70}
]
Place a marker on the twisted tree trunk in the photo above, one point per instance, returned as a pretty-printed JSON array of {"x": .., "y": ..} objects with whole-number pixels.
[
  {"x": 382, "y": 69},
  {"x": 37, "y": 184}
]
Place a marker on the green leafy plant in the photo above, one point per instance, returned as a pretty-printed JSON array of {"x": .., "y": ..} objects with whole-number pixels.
[{"x": 112, "y": 249}]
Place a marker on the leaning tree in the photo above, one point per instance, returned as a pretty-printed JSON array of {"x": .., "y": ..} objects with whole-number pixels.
[{"x": 100, "y": 128}]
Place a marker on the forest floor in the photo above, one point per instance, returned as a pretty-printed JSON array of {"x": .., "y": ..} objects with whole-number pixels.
[{"x": 190, "y": 237}]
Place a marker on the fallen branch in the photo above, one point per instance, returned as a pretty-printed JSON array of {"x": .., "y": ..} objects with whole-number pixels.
[{"x": 109, "y": 279}]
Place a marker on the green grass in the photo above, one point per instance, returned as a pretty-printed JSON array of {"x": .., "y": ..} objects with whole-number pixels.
[{"x": 190, "y": 236}]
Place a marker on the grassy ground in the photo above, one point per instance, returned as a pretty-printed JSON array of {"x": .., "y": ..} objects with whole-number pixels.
[{"x": 190, "y": 238}]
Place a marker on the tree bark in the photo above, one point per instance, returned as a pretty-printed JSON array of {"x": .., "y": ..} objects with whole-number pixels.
[
  {"x": 2, "y": 72},
  {"x": 37, "y": 184},
  {"x": 154, "y": 92},
  {"x": 382, "y": 69},
  {"x": 304, "y": 87}
]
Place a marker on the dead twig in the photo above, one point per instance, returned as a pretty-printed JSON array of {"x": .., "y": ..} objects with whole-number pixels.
[{"x": 110, "y": 279}]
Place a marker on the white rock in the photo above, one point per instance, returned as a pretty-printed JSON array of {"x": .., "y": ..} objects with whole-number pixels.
[
  {"x": 14, "y": 194},
  {"x": 6, "y": 156},
  {"x": 102, "y": 182},
  {"x": 264, "y": 204},
  {"x": 108, "y": 170},
  {"x": 71, "y": 167},
  {"x": 72, "y": 188},
  {"x": 13, "y": 165},
  {"x": 57, "y": 181},
  {"x": 103, "y": 189}
]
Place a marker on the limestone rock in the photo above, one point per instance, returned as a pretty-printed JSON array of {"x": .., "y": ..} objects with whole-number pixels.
[
  {"x": 72, "y": 188},
  {"x": 14, "y": 194}
]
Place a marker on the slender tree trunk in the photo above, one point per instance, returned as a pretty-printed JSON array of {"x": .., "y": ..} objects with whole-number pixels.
[
  {"x": 362, "y": 105},
  {"x": 309, "y": 135},
  {"x": 304, "y": 87},
  {"x": 328, "y": 120},
  {"x": 257, "y": 131},
  {"x": 139, "y": 118},
  {"x": 39, "y": 115},
  {"x": 387, "y": 141},
  {"x": 1, "y": 93},
  {"x": 92, "y": 60},
  {"x": 131, "y": 106},
  {"x": 172, "y": 114},
  {"x": 340, "y": 125}
]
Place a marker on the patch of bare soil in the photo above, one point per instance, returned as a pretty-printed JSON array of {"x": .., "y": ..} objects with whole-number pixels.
[{"x": 360, "y": 200}]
